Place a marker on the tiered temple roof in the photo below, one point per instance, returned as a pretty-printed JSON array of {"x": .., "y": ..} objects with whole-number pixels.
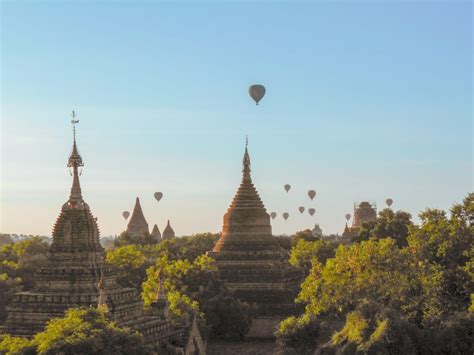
[
  {"x": 137, "y": 226},
  {"x": 249, "y": 260},
  {"x": 76, "y": 274}
]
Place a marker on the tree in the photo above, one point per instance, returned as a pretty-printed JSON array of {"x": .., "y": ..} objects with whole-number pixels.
[
  {"x": 130, "y": 262},
  {"x": 304, "y": 252},
  {"x": 389, "y": 224},
  {"x": 87, "y": 331}
]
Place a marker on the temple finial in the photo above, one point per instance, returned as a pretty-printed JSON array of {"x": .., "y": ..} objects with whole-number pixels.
[
  {"x": 246, "y": 160},
  {"x": 74, "y": 162}
]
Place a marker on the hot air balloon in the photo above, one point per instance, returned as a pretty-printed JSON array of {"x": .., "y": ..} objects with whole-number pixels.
[
  {"x": 158, "y": 196},
  {"x": 311, "y": 194},
  {"x": 257, "y": 92},
  {"x": 273, "y": 215},
  {"x": 311, "y": 211},
  {"x": 286, "y": 215},
  {"x": 389, "y": 202},
  {"x": 301, "y": 209},
  {"x": 348, "y": 216},
  {"x": 125, "y": 214},
  {"x": 287, "y": 187}
]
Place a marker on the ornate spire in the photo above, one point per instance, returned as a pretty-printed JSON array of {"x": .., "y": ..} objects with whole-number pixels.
[
  {"x": 246, "y": 161},
  {"x": 168, "y": 232},
  {"x": 74, "y": 162}
]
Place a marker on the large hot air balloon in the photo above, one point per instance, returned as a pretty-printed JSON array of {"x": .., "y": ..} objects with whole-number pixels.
[
  {"x": 158, "y": 196},
  {"x": 287, "y": 187},
  {"x": 286, "y": 215},
  {"x": 389, "y": 202},
  {"x": 348, "y": 216},
  {"x": 301, "y": 209},
  {"x": 311, "y": 194},
  {"x": 125, "y": 214},
  {"x": 311, "y": 211},
  {"x": 257, "y": 92},
  {"x": 273, "y": 215}
]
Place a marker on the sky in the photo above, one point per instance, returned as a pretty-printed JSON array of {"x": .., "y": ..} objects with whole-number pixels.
[{"x": 365, "y": 101}]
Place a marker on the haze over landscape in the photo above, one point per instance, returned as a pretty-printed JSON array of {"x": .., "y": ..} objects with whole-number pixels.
[{"x": 362, "y": 104}]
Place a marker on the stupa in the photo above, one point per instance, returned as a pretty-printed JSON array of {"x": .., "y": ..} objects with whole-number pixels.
[
  {"x": 168, "y": 232},
  {"x": 137, "y": 226},
  {"x": 250, "y": 262},
  {"x": 76, "y": 274},
  {"x": 156, "y": 234}
]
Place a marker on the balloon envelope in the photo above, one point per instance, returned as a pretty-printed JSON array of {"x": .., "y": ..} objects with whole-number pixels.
[
  {"x": 311, "y": 194},
  {"x": 311, "y": 211},
  {"x": 158, "y": 196},
  {"x": 273, "y": 215},
  {"x": 287, "y": 187},
  {"x": 257, "y": 92},
  {"x": 389, "y": 202},
  {"x": 301, "y": 209},
  {"x": 286, "y": 215},
  {"x": 348, "y": 216},
  {"x": 125, "y": 214}
]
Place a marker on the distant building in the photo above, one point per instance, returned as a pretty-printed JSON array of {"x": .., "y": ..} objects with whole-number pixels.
[
  {"x": 137, "y": 226},
  {"x": 76, "y": 274},
  {"x": 317, "y": 231},
  {"x": 251, "y": 264},
  {"x": 363, "y": 212},
  {"x": 168, "y": 232},
  {"x": 156, "y": 234}
]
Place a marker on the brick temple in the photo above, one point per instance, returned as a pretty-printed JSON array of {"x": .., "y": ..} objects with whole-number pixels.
[
  {"x": 76, "y": 274},
  {"x": 250, "y": 262}
]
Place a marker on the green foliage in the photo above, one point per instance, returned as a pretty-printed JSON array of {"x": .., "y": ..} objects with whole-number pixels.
[
  {"x": 130, "y": 262},
  {"x": 304, "y": 252},
  {"x": 389, "y": 224},
  {"x": 375, "y": 270},
  {"x": 16, "y": 345},
  {"x": 298, "y": 333},
  {"x": 125, "y": 239},
  {"x": 193, "y": 287},
  {"x": 87, "y": 331}
]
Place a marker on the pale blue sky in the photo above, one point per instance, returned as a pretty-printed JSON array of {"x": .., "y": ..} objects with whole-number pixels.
[{"x": 365, "y": 100}]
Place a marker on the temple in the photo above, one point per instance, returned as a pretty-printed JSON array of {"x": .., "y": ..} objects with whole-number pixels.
[
  {"x": 168, "y": 232},
  {"x": 137, "y": 226},
  {"x": 363, "y": 212},
  {"x": 156, "y": 234},
  {"x": 76, "y": 274},
  {"x": 250, "y": 262}
]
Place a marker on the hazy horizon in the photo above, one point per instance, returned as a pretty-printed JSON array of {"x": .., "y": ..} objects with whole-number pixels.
[{"x": 364, "y": 101}]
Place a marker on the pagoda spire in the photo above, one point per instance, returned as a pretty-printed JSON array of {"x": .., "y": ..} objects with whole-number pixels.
[
  {"x": 246, "y": 161},
  {"x": 75, "y": 162}
]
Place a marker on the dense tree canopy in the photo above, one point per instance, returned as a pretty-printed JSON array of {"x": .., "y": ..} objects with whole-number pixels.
[{"x": 396, "y": 286}]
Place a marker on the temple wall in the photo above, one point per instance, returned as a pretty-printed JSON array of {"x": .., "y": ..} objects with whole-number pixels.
[{"x": 264, "y": 327}]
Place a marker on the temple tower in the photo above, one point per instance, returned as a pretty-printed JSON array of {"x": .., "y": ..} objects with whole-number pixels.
[
  {"x": 137, "y": 226},
  {"x": 156, "y": 234},
  {"x": 250, "y": 262},
  {"x": 168, "y": 232}
]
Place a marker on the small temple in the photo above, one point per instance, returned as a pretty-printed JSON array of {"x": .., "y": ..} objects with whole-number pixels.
[
  {"x": 76, "y": 274},
  {"x": 156, "y": 234},
  {"x": 168, "y": 232},
  {"x": 137, "y": 226},
  {"x": 250, "y": 262},
  {"x": 363, "y": 212}
]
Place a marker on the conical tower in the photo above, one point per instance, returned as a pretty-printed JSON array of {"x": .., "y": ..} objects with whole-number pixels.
[
  {"x": 246, "y": 222},
  {"x": 156, "y": 234},
  {"x": 168, "y": 232},
  {"x": 137, "y": 226},
  {"x": 250, "y": 262}
]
